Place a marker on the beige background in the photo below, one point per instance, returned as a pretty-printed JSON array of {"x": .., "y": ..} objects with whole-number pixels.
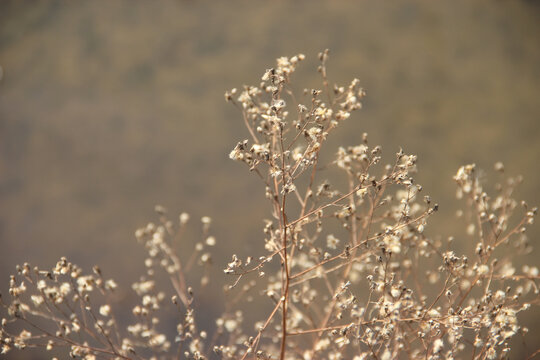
[{"x": 110, "y": 107}]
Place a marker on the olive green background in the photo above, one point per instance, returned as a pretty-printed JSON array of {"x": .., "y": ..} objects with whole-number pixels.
[{"x": 110, "y": 107}]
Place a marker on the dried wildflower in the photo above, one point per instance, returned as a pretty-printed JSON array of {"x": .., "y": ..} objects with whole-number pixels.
[
  {"x": 184, "y": 218},
  {"x": 210, "y": 241},
  {"x": 382, "y": 287},
  {"x": 105, "y": 310}
]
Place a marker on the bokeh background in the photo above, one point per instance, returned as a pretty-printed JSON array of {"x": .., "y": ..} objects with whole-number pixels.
[{"x": 110, "y": 107}]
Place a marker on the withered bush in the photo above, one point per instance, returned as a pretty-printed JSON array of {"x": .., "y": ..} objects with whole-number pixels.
[{"x": 351, "y": 273}]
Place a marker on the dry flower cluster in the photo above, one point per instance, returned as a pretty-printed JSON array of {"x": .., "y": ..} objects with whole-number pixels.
[{"x": 351, "y": 273}]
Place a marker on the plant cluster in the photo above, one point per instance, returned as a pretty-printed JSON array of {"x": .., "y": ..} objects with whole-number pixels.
[{"x": 351, "y": 271}]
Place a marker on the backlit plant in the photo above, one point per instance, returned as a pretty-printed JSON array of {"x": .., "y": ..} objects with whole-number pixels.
[{"x": 350, "y": 271}]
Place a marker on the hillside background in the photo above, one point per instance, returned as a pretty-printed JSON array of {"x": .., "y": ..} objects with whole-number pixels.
[{"x": 110, "y": 107}]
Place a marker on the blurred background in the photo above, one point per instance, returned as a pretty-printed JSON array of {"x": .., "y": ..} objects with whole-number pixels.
[{"x": 109, "y": 108}]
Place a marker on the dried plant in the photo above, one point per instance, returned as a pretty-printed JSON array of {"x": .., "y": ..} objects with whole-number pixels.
[{"x": 351, "y": 273}]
